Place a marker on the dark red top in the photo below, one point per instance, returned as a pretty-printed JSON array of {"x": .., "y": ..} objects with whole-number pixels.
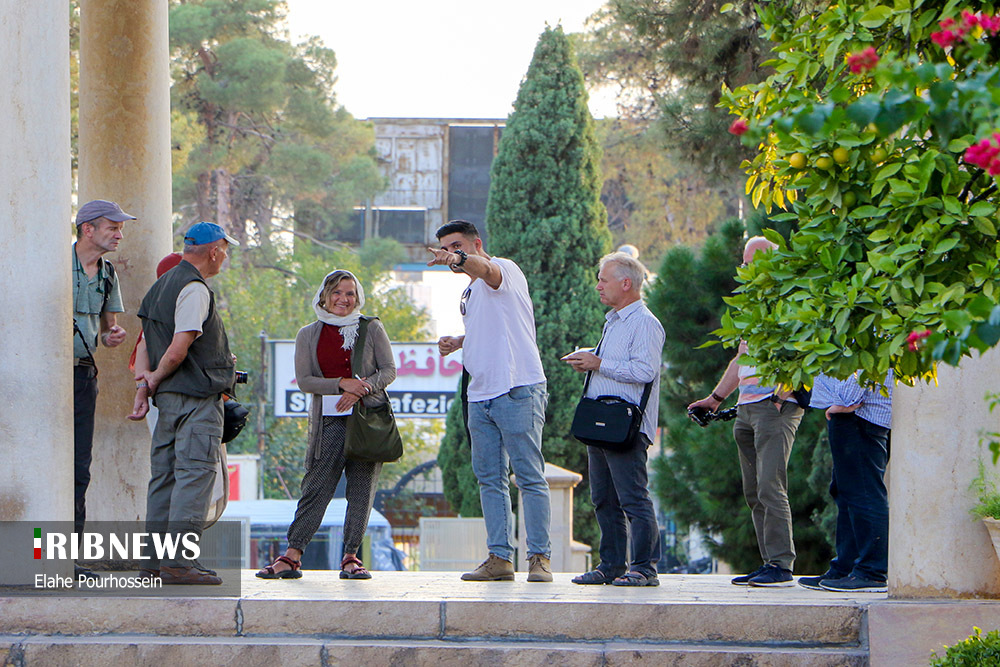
[{"x": 334, "y": 360}]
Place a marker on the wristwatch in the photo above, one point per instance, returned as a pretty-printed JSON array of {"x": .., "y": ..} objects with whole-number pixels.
[{"x": 462, "y": 256}]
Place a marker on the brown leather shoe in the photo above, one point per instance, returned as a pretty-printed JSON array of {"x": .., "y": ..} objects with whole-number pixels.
[
  {"x": 539, "y": 568},
  {"x": 187, "y": 575},
  {"x": 493, "y": 568}
]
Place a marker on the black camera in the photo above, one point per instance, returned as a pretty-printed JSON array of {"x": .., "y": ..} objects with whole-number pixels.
[
  {"x": 242, "y": 377},
  {"x": 703, "y": 417}
]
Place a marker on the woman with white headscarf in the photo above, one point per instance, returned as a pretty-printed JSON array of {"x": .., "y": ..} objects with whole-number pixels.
[{"x": 323, "y": 368}]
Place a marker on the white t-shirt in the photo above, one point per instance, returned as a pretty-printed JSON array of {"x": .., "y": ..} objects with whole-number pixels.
[
  {"x": 499, "y": 349},
  {"x": 192, "y": 307}
]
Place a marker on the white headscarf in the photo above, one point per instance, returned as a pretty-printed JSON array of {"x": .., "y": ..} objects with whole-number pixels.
[{"x": 348, "y": 323}]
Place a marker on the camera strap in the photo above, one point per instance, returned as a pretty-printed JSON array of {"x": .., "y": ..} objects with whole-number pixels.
[{"x": 645, "y": 392}]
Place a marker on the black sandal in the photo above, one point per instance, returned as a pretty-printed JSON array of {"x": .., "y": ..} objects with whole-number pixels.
[
  {"x": 294, "y": 573},
  {"x": 358, "y": 572}
]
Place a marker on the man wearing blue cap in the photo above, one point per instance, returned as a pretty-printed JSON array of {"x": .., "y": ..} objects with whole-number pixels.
[
  {"x": 191, "y": 367},
  {"x": 97, "y": 300}
]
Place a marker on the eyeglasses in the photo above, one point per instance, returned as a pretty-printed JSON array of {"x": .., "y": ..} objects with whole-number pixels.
[{"x": 465, "y": 299}]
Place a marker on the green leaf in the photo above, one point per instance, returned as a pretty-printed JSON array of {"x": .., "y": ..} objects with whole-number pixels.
[
  {"x": 982, "y": 208},
  {"x": 876, "y": 16},
  {"x": 867, "y": 211},
  {"x": 726, "y": 8},
  {"x": 865, "y": 110},
  {"x": 955, "y": 320},
  {"x": 888, "y": 170},
  {"x": 946, "y": 245}
]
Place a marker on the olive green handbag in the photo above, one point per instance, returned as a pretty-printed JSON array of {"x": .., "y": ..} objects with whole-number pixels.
[{"x": 372, "y": 434}]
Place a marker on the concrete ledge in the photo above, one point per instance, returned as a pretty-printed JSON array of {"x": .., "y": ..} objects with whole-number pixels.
[
  {"x": 903, "y": 632},
  {"x": 695, "y": 621},
  {"x": 93, "y": 616},
  {"x": 368, "y": 618}
]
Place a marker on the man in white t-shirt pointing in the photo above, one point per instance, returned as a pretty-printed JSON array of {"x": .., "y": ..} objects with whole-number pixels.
[{"x": 507, "y": 399}]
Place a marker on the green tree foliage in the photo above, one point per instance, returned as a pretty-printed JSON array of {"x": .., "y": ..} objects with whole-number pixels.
[
  {"x": 863, "y": 133},
  {"x": 257, "y": 130},
  {"x": 654, "y": 198},
  {"x": 698, "y": 477},
  {"x": 669, "y": 60},
  {"x": 545, "y": 213}
]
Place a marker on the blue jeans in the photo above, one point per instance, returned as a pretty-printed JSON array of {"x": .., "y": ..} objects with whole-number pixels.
[
  {"x": 619, "y": 489},
  {"x": 860, "y": 452},
  {"x": 507, "y": 432}
]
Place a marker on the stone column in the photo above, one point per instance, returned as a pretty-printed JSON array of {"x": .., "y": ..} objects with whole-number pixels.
[
  {"x": 125, "y": 156},
  {"x": 36, "y": 382},
  {"x": 936, "y": 548}
]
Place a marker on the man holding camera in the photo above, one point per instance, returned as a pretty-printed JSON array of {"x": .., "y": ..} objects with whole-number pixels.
[
  {"x": 627, "y": 359},
  {"x": 766, "y": 422},
  {"x": 191, "y": 368}
]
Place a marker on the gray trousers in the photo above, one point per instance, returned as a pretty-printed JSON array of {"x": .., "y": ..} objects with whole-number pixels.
[
  {"x": 185, "y": 450},
  {"x": 764, "y": 437}
]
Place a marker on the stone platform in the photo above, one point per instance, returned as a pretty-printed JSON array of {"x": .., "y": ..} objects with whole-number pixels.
[{"x": 434, "y": 618}]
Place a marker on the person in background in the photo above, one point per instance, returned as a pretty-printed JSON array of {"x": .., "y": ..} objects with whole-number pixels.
[
  {"x": 858, "y": 423},
  {"x": 97, "y": 300},
  {"x": 766, "y": 421}
]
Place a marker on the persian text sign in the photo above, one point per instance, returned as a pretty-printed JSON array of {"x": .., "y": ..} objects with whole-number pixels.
[{"x": 424, "y": 387}]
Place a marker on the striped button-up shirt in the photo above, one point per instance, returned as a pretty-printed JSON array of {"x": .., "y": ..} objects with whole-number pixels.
[
  {"x": 876, "y": 407},
  {"x": 630, "y": 353}
]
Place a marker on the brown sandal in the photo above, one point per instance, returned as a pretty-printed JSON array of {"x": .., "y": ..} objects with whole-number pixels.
[
  {"x": 294, "y": 573},
  {"x": 358, "y": 572}
]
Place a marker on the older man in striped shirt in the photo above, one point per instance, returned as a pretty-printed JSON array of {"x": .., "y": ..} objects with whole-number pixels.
[
  {"x": 625, "y": 361},
  {"x": 858, "y": 423}
]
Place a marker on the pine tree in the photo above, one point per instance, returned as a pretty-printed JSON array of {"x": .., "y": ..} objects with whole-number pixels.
[{"x": 698, "y": 477}]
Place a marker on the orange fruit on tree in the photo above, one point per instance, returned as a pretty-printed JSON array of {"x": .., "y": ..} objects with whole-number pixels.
[
  {"x": 797, "y": 160},
  {"x": 824, "y": 163},
  {"x": 840, "y": 155}
]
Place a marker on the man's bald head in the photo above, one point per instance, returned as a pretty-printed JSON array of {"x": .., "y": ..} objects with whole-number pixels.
[{"x": 755, "y": 244}]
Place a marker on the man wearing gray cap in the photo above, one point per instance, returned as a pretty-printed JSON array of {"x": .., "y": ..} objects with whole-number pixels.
[
  {"x": 96, "y": 301},
  {"x": 191, "y": 367}
]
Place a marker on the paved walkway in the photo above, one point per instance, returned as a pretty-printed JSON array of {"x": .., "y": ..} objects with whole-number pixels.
[{"x": 445, "y": 586}]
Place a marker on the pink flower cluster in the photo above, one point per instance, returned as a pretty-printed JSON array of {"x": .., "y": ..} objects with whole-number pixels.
[
  {"x": 952, "y": 31},
  {"x": 739, "y": 127},
  {"x": 863, "y": 61},
  {"x": 985, "y": 154},
  {"x": 913, "y": 340}
]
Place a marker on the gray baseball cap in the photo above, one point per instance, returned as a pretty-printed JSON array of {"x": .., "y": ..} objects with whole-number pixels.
[{"x": 99, "y": 208}]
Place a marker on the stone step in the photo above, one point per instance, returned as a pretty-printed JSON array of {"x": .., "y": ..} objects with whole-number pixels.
[
  {"x": 539, "y": 620},
  {"x": 60, "y": 651}
]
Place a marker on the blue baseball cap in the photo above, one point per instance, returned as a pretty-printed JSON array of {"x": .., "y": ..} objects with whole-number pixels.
[{"x": 201, "y": 233}]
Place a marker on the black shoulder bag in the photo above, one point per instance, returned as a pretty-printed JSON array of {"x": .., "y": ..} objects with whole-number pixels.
[
  {"x": 372, "y": 434},
  {"x": 609, "y": 422}
]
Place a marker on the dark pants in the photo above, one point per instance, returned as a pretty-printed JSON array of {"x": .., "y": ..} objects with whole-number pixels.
[
  {"x": 860, "y": 452},
  {"x": 618, "y": 487},
  {"x": 84, "y": 406}
]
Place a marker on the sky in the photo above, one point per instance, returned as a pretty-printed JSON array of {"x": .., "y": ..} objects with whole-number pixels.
[{"x": 437, "y": 58}]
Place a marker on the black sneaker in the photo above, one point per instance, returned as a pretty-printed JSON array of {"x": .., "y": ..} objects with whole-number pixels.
[
  {"x": 744, "y": 580},
  {"x": 852, "y": 584},
  {"x": 812, "y": 583},
  {"x": 773, "y": 576}
]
